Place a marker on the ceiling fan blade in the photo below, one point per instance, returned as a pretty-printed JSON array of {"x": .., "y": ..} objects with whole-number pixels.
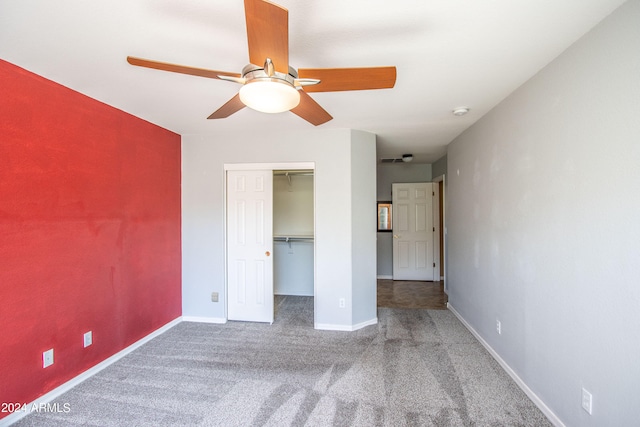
[
  {"x": 232, "y": 106},
  {"x": 268, "y": 33},
  {"x": 338, "y": 79},
  {"x": 310, "y": 110},
  {"x": 165, "y": 66}
]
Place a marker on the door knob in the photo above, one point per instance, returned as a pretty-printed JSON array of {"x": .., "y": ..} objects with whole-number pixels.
[{"x": 267, "y": 253}]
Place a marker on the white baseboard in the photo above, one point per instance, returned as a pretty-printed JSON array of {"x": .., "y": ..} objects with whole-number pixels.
[
  {"x": 346, "y": 328},
  {"x": 364, "y": 324},
  {"x": 553, "y": 418},
  {"x": 294, "y": 294},
  {"x": 331, "y": 327},
  {"x": 63, "y": 388},
  {"x": 204, "y": 319},
  {"x": 384, "y": 277}
]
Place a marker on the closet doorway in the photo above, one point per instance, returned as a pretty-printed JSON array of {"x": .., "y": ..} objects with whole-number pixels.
[
  {"x": 293, "y": 236},
  {"x": 270, "y": 228}
]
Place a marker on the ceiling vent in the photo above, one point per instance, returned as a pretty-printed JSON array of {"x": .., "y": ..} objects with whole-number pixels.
[
  {"x": 405, "y": 158},
  {"x": 391, "y": 160}
]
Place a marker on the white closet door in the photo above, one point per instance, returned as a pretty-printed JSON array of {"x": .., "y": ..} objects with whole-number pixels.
[
  {"x": 413, "y": 235},
  {"x": 249, "y": 245}
]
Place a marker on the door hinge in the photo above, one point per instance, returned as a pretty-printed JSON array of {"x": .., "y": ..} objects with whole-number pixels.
[
  {"x": 434, "y": 265},
  {"x": 434, "y": 229}
]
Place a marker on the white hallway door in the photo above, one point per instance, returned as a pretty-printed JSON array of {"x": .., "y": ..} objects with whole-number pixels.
[
  {"x": 414, "y": 234},
  {"x": 249, "y": 245}
]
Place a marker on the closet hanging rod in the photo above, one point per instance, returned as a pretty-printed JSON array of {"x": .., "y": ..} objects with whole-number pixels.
[
  {"x": 292, "y": 239},
  {"x": 290, "y": 173}
]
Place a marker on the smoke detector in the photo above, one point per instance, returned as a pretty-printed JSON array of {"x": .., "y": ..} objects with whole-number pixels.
[{"x": 460, "y": 111}]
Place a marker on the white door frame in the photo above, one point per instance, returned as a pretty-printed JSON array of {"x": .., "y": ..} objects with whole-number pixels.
[
  {"x": 442, "y": 178},
  {"x": 272, "y": 167},
  {"x": 435, "y": 206}
]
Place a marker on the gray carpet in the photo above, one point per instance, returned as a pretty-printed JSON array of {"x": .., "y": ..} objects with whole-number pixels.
[{"x": 414, "y": 368}]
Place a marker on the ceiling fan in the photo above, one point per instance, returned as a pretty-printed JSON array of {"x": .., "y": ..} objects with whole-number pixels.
[{"x": 275, "y": 86}]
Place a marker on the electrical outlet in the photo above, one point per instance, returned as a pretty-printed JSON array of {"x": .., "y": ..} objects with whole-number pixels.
[
  {"x": 214, "y": 297},
  {"x": 587, "y": 401},
  {"x": 47, "y": 358},
  {"x": 88, "y": 339},
  {"x": 498, "y": 327},
  {"x": 341, "y": 303}
]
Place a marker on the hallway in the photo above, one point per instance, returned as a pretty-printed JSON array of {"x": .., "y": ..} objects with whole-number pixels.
[{"x": 411, "y": 294}]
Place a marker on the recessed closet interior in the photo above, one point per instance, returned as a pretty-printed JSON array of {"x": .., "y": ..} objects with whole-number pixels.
[{"x": 293, "y": 232}]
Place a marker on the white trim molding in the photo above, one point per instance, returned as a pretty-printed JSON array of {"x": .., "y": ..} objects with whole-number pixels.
[
  {"x": 346, "y": 328},
  {"x": 196, "y": 319},
  {"x": 385, "y": 277},
  {"x": 366, "y": 323},
  {"x": 269, "y": 166},
  {"x": 553, "y": 418}
]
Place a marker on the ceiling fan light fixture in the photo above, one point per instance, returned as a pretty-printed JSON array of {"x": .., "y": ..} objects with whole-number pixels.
[
  {"x": 407, "y": 158},
  {"x": 269, "y": 96}
]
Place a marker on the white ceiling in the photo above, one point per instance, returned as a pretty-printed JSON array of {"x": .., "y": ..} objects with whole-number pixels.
[{"x": 448, "y": 53}]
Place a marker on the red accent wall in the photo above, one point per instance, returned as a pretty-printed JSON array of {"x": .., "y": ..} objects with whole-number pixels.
[{"x": 89, "y": 231}]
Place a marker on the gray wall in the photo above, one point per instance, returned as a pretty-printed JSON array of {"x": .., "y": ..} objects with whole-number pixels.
[
  {"x": 203, "y": 244},
  {"x": 439, "y": 167},
  {"x": 384, "y": 247},
  {"x": 363, "y": 228},
  {"x": 387, "y": 174},
  {"x": 293, "y": 268},
  {"x": 542, "y": 239},
  {"x": 293, "y": 205}
]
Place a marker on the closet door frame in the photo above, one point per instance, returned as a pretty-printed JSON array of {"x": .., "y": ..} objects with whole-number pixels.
[{"x": 272, "y": 167}]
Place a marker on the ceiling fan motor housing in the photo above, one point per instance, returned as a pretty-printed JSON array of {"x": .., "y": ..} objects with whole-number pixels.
[{"x": 252, "y": 72}]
